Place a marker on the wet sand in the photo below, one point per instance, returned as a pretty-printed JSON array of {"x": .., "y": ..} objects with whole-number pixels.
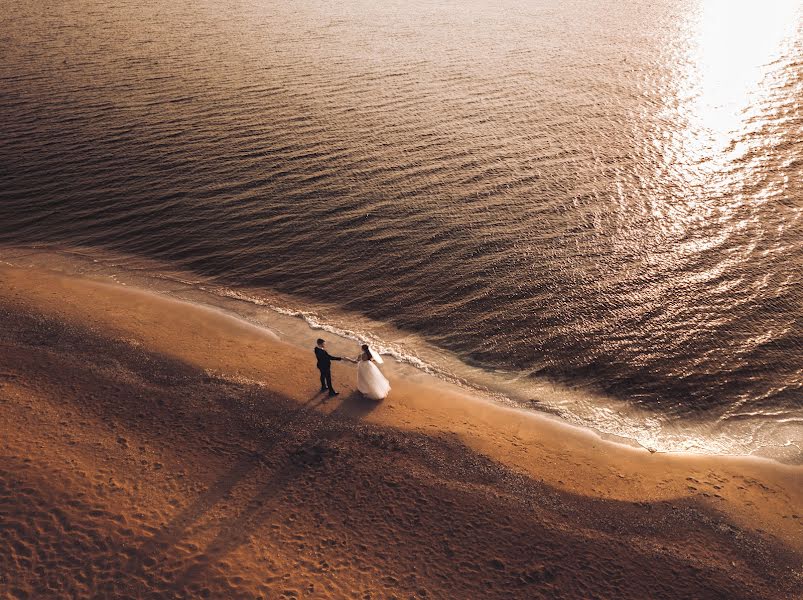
[{"x": 154, "y": 448}]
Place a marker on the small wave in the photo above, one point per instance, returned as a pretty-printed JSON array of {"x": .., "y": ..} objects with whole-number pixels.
[{"x": 398, "y": 353}]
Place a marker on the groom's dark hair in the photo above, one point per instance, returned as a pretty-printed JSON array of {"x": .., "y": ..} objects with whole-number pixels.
[{"x": 320, "y": 341}]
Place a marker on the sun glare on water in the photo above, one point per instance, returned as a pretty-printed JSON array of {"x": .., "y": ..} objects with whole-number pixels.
[
  {"x": 730, "y": 65},
  {"x": 733, "y": 48}
]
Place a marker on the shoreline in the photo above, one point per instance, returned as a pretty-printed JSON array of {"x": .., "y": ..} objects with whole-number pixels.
[
  {"x": 427, "y": 383},
  {"x": 209, "y": 352},
  {"x": 297, "y": 326}
]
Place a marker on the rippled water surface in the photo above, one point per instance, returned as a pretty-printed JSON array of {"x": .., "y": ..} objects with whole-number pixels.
[{"x": 603, "y": 195}]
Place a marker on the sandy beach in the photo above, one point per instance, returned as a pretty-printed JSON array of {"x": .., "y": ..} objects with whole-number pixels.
[{"x": 153, "y": 448}]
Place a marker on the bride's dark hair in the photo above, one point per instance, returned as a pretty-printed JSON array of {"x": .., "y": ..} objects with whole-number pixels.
[{"x": 367, "y": 351}]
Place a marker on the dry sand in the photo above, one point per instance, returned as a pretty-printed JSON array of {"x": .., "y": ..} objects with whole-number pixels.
[{"x": 152, "y": 448}]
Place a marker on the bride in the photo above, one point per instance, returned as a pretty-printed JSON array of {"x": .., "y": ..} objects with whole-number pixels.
[{"x": 370, "y": 380}]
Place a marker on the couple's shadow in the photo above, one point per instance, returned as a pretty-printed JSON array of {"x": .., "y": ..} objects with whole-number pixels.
[
  {"x": 298, "y": 456},
  {"x": 354, "y": 406},
  {"x": 288, "y": 441}
]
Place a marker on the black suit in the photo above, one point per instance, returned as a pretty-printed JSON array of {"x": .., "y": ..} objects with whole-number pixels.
[{"x": 325, "y": 367}]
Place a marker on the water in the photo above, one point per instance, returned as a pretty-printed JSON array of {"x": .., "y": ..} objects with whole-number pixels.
[{"x": 592, "y": 207}]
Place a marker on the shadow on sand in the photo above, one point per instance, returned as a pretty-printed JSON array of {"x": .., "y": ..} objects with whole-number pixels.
[{"x": 475, "y": 512}]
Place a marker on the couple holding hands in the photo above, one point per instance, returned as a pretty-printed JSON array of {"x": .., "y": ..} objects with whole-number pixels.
[{"x": 370, "y": 381}]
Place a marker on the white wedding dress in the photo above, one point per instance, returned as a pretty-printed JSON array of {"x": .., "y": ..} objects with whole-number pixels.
[{"x": 370, "y": 380}]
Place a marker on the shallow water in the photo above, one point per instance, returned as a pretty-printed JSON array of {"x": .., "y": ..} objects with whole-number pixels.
[{"x": 595, "y": 205}]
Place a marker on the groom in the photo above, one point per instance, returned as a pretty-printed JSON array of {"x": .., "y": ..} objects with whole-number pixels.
[{"x": 325, "y": 367}]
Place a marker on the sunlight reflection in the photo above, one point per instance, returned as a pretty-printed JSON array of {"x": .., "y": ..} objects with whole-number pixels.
[
  {"x": 731, "y": 56},
  {"x": 729, "y": 74}
]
